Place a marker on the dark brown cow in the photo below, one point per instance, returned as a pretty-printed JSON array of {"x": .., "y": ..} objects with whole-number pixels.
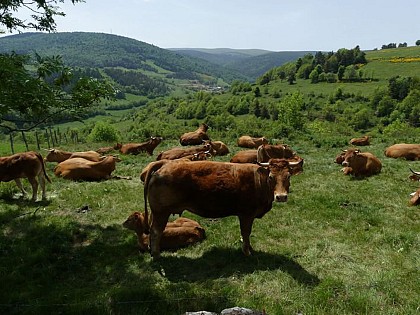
[
  {"x": 82, "y": 169},
  {"x": 55, "y": 155},
  {"x": 361, "y": 164},
  {"x": 201, "y": 156},
  {"x": 365, "y": 140},
  {"x": 177, "y": 153},
  {"x": 180, "y": 233},
  {"x": 106, "y": 150},
  {"x": 251, "y": 142},
  {"x": 28, "y": 165},
  {"x": 136, "y": 148},
  {"x": 415, "y": 198},
  {"x": 404, "y": 150},
  {"x": 212, "y": 190},
  {"x": 195, "y": 137}
]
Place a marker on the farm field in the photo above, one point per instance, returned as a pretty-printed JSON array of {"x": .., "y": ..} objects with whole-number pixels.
[{"x": 338, "y": 246}]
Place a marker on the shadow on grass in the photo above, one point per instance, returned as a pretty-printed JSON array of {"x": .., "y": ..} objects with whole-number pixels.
[{"x": 226, "y": 262}]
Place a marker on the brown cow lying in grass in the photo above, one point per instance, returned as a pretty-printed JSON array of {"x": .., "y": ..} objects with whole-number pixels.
[
  {"x": 82, "y": 169},
  {"x": 177, "y": 152},
  {"x": 136, "y": 148},
  {"x": 251, "y": 142},
  {"x": 195, "y": 137},
  {"x": 28, "y": 165},
  {"x": 360, "y": 164},
  {"x": 177, "y": 234},
  {"x": 365, "y": 140},
  {"x": 55, "y": 155},
  {"x": 407, "y": 151},
  {"x": 106, "y": 150}
]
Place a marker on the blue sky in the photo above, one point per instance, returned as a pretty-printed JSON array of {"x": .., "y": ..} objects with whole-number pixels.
[{"x": 323, "y": 25}]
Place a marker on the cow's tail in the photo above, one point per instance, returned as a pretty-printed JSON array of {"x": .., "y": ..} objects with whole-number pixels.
[
  {"x": 156, "y": 166},
  {"x": 41, "y": 160}
]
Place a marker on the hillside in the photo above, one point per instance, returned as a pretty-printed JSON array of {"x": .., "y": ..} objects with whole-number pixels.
[
  {"x": 249, "y": 62},
  {"x": 98, "y": 50}
]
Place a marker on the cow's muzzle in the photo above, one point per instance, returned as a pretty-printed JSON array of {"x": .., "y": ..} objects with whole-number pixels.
[
  {"x": 345, "y": 163},
  {"x": 280, "y": 197}
]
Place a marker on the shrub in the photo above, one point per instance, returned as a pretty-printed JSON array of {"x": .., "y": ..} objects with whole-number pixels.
[{"x": 103, "y": 132}]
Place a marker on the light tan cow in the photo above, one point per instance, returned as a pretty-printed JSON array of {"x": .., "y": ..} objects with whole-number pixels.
[
  {"x": 82, "y": 169},
  {"x": 251, "y": 142},
  {"x": 56, "y": 155},
  {"x": 28, "y": 165}
]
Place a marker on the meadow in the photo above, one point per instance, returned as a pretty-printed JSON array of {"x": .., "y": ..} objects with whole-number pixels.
[{"x": 340, "y": 245}]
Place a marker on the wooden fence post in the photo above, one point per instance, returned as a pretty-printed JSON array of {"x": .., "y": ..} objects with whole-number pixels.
[
  {"x": 24, "y": 140},
  {"x": 48, "y": 138},
  {"x": 37, "y": 140},
  {"x": 11, "y": 143}
]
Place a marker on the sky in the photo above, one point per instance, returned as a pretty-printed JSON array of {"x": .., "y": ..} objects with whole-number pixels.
[{"x": 275, "y": 25}]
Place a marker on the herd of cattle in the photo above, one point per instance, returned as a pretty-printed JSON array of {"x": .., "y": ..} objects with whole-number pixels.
[{"x": 182, "y": 179}]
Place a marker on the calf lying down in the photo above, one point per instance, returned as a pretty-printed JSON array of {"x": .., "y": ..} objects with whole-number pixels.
[{"x": 180, "y": 233}]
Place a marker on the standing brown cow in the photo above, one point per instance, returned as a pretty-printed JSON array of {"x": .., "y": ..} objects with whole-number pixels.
[
  {"x": 28, "y": 165},
  {"x": 361, "y": 164},
  {"x": 136, "y": 148},
  {"x": 251, "y": 142},
  {"x": 195, "y": 137},
  {"x": 212, "y": 190}
]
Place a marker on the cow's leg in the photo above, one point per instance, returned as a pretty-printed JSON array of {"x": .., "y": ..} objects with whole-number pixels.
[
  {"x": 34, "y": 184},
  {"x": 19, "y": 184},
  {"x": 41, "y": 179},
  {"x": 158, "y": 225},
  {"x": 246, "y": 227}
]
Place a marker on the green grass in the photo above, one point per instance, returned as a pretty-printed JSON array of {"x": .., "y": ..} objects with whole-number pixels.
[{"x": 338, "y": 246}]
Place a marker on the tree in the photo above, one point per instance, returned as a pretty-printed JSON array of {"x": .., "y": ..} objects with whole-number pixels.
[
  {"x": 48, "y": 93},
  {"x": 41, "y": 89},
  {"x": 291, "y": 77},
  {"x": 418, "y": 42},
  {"x": 43, "y": 14}
]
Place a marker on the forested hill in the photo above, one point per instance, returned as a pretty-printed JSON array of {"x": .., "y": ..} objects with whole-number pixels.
[
  {"x": 99, "y": 50},
  {"x": 250, "y": 62}
]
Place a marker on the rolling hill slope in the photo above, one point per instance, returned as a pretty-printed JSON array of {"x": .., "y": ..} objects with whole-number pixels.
[{"x": 98, "y": 50}]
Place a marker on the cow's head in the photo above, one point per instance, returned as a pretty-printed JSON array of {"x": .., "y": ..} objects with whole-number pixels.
[
  {"x": 279, "y": 176},
  {"x": 55, "y": 155},
  {"x": 135, "y": 222},
  {"x": 350, "y": 155},
  {"x": 415, "y": 176}
]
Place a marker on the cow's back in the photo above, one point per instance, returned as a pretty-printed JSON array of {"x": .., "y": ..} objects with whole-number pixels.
[
  {"x": 209, "y": 189},
  {"x": 404, "y": 150},
  {"x": 20, "y": 165}
]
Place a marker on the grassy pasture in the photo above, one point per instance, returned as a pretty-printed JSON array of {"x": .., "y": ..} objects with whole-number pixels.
[{"x": 338, "y": 246}]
